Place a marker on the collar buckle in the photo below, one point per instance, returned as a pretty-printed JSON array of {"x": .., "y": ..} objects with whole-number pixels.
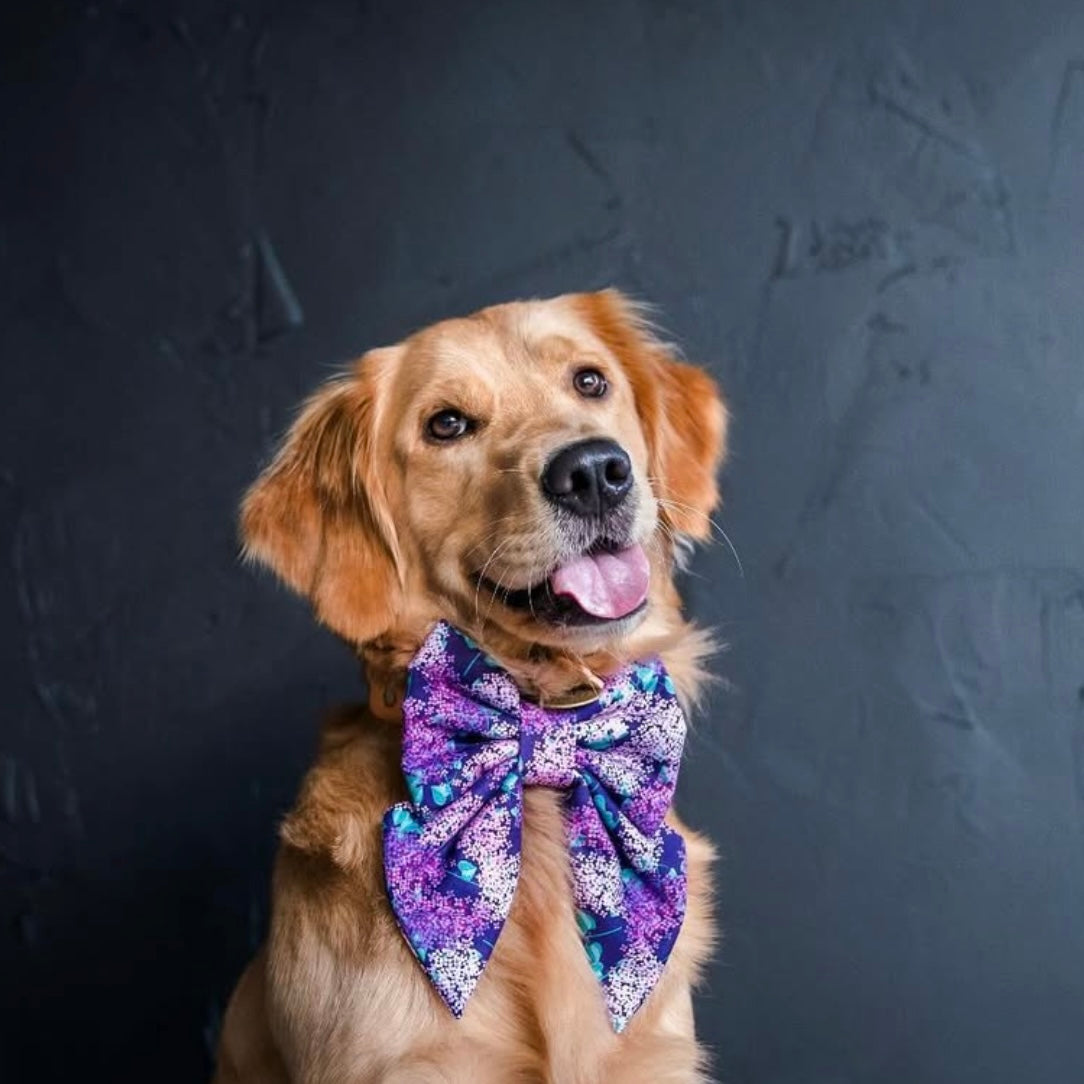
[{"x": 578, "y": 697}]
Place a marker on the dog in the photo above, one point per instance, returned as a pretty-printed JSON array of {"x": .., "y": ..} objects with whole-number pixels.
[{"x": 527, "y": 477}]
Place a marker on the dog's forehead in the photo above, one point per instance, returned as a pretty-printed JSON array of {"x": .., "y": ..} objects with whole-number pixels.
[
  {"x": 540, "y": 322},
  {"x": 510, "y": 337}
]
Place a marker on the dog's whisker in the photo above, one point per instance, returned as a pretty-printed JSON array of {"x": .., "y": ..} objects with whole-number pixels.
[
  {"x": 493, "y": 594},
  {"x": 532, "y": 526},
  {"x": 680, "y": 506},
  {"x": 495, "y": 531},
  {"x": 481, "y": 576}
]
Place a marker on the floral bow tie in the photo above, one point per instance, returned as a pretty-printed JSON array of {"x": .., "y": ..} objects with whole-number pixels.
[{"x": 452, "y": 853}]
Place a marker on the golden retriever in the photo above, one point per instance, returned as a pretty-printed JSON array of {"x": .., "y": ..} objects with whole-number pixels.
[{"x": 419, "y": 486}]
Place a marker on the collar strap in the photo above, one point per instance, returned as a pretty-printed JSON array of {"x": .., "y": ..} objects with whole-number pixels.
[{"x": 386, "y": 698}]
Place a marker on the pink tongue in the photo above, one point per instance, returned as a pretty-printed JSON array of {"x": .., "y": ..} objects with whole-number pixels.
[{"x": 605, "y": 584}]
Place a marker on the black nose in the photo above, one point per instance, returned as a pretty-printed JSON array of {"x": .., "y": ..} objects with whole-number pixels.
[{"x": 588, "y": 478}]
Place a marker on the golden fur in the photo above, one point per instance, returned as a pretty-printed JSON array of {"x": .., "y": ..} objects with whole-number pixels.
[{"x": 385, "y": 532}]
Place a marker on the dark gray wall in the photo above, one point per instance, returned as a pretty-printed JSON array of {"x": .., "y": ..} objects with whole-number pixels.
[{"x": 866, "y": 217}]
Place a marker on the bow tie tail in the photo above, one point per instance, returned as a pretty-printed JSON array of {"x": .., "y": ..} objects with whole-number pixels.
[{"x": 630, "y": 895}]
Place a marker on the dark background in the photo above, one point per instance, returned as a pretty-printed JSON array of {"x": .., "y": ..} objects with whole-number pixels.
[{"x": 865, "y": 217}]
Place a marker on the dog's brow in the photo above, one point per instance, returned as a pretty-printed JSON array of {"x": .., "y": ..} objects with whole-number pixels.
[{"x": 467, "y": 394}]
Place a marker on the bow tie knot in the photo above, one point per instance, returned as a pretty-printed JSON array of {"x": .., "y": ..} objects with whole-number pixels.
[
  {"x": 452, "y": 853},
  {"x": 547, "y": 748}
]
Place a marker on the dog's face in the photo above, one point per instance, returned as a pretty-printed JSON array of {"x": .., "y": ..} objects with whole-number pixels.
[{"x": 523, "y": 470}]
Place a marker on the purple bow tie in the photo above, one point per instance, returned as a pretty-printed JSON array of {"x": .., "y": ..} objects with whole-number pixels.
[{"x": 452, "y": 853}]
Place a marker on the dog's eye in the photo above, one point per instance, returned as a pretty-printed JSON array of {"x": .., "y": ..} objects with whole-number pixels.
[
  {"x": 590, "y": 383},
  {"x": 448, "y": 425}
]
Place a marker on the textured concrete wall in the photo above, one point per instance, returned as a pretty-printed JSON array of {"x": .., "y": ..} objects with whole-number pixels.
[{"x": 865, "y": 216}]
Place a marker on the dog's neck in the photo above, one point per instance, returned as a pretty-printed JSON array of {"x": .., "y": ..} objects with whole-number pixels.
[{"x": 553, "y": 677}]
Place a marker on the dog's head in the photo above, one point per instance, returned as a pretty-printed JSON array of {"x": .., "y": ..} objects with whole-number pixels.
[{"x": 523, "y": 473}]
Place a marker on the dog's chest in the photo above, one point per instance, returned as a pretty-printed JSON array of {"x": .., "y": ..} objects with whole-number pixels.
[{"x": 540, "y": 963}]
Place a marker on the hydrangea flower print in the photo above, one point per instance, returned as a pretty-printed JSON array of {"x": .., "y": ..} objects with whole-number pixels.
[
  {"x": 452, "y": 852},
  {"x": 454, "y": 972}
]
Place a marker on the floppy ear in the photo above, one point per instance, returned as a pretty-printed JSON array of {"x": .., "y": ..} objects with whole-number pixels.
[
  {"x": 318, "y": 516},
  {"x": 682, "y": 412}
]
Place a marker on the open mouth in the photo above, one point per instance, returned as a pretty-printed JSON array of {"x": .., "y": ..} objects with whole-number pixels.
[{"x": 605, "y": 583}]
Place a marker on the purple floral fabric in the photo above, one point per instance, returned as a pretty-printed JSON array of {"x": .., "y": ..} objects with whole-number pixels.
[{"x": 452, "y": 853}]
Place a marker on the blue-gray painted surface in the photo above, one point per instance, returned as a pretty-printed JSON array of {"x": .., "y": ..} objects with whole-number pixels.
[{"x": 866, "y": 217}]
